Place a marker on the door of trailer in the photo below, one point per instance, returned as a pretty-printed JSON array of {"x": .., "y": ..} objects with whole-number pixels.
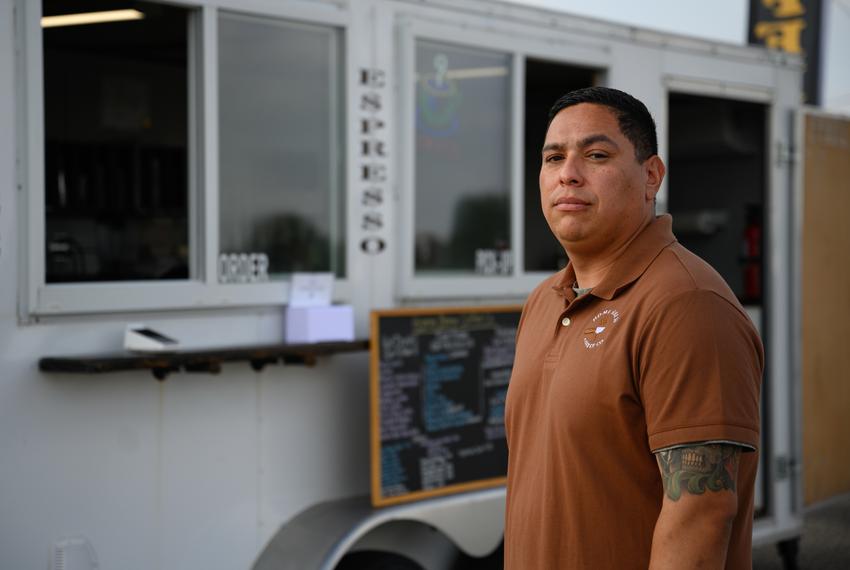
[
  {"x": 822, "y": 202},
  {"x": 729, "y": 192}
]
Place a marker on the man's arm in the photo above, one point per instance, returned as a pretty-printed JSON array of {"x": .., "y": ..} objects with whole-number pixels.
[{"x": 700, "y": 503}]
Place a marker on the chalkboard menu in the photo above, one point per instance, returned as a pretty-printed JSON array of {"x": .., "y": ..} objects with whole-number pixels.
[{"x": 438, "y": 383}]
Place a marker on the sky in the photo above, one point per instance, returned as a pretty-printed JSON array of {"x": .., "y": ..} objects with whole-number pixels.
[
  {"x": 721, "y": 20},
  {"x": 724, "y": 21}
]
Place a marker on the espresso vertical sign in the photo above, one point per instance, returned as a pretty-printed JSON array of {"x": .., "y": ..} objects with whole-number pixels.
[
  {"x": 792, "y": 26},
  {"x": 373, "y": 160}
]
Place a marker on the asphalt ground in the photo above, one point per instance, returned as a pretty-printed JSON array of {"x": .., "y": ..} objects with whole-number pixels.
[{"x": 825, "y": 544}]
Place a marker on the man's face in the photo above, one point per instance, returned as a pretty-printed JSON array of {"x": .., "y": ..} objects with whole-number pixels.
[{"x": 594, "y": 193}]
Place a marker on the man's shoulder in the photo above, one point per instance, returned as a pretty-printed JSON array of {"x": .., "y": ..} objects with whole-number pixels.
[{"x": 678, "y": 271}]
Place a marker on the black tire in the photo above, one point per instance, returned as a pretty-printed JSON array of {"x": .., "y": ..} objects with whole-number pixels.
[
  {"x": 493, "y": 561},
  {"x": 376, "y": 560}
]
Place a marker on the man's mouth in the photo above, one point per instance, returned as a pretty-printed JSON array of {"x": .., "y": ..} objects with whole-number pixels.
[{"x": 570, "y": 204}]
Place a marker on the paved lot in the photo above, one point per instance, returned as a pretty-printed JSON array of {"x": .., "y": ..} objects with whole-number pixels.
[{"x": 825, "y": 544}]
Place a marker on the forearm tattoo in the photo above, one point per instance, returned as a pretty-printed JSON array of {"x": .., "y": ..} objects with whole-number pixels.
[{"x": 693, "y": 469}]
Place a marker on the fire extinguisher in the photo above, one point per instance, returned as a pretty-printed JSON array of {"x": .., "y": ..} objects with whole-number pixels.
[{"x": 752, "y": 254}]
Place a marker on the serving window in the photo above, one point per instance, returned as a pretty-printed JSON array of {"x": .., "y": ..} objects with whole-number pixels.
[
  {"x": 463, "y": 164},
  {"x": 545, "y": 82},
  {"x": 475, "y": 110},
  {"x": 116, "y": 121},
  {"x": 718, "y": 186},
  {"x": 281, "y": 159},
  {"x": 179, "y": 155}
]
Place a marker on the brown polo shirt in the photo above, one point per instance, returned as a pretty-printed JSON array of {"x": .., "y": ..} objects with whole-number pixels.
[{"x": 659, "y": 353}]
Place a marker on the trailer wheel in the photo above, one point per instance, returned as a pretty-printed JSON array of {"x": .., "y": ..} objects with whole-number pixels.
[
  {"x": 376, "y": 560},
  {"x": 788, "y": 550}
]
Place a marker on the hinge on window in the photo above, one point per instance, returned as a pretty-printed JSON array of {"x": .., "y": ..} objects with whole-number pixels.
[{"x": 786, "y": 154}]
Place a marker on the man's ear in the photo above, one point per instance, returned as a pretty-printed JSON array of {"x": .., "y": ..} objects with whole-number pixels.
[{"x": 655, "y": 171}]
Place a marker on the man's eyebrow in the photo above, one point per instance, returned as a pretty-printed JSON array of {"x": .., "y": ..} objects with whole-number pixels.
[
  {"x": 583, "y": 143},
  {"x": 553, "y": 146},
  {"x": 587, "y": 141}
]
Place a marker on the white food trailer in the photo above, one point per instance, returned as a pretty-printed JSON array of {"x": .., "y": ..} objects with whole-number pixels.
[{"x": 175, "y": 165}]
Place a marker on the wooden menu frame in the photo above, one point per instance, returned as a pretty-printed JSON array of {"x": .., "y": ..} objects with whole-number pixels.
[{"x": 378, "y": 498}]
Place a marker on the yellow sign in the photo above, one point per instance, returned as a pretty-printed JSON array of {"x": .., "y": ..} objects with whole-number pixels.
[
  {"x": 785, "y": 8},
  {"x": 791, "y": 26},
  {"x": 783, "y": 27},
  {"x": 781, "y": 34}
]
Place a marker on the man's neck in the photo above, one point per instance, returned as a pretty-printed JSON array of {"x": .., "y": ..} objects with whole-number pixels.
[{"x": 592, "y": 267}]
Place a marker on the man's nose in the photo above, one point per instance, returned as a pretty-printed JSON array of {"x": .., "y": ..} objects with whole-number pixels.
[{"x": 570, "y": 173}]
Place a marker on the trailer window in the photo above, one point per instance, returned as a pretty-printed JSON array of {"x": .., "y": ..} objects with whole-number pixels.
[
  {"x": 717, "y": 185},
  {"x": 545, "y": 83},
  {"x": 462, "y": 171},
  {"x": 281, "y": 145},
  {"x": 116, "y": 145}
]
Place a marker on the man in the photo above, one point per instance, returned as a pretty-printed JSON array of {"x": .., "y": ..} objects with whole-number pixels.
[{"x": 632, "y": 414}]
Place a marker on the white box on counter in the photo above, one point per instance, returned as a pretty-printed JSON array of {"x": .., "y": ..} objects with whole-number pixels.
[{"x": 319, "y": 324}]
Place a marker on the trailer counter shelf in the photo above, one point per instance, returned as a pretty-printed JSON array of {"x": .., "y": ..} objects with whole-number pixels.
[{"x": 207, "y": 360}]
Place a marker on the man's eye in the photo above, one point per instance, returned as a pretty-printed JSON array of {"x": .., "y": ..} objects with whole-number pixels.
[
  {"x": 597, "y": 155},
  {"x": 553, "y": 158}
]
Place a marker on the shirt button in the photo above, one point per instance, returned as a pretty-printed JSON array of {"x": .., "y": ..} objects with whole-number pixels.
[{"x": 565, "y": 321}]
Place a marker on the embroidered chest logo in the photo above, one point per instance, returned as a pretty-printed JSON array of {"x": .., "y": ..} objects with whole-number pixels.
[{"x": 595, "y": 335}]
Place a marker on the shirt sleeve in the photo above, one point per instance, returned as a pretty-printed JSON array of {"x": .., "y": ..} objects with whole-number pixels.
[
  {"x": 744, "y": 447},
  {"x": 699, "y": 372}
]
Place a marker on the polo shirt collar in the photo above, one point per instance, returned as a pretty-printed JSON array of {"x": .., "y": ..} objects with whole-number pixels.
[{"x": 642, "y": 250}]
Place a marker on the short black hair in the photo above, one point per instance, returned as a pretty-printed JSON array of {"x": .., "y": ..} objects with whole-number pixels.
[{"x": 633, "y": 117}]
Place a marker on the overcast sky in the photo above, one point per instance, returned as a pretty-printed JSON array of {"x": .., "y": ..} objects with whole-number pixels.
[
  {"x": 726, "y": 21},
  {"x": 723, "y": 20}
]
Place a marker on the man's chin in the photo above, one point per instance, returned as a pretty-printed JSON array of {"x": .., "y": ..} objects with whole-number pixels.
[{"x": 570, "y": 235}]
